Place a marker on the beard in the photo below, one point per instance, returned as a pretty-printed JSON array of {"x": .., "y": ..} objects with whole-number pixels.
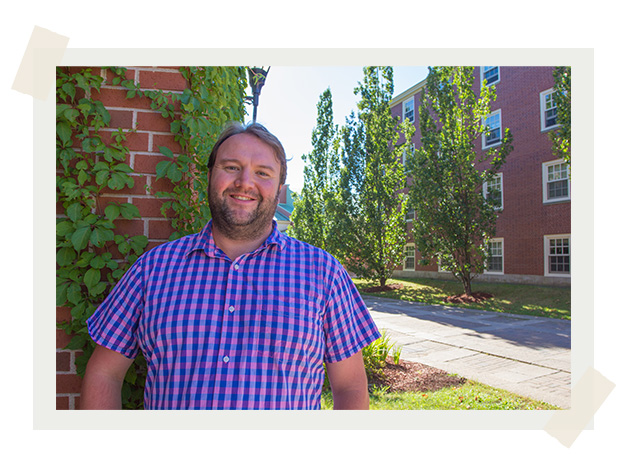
[{"x": 249, "y": 225}]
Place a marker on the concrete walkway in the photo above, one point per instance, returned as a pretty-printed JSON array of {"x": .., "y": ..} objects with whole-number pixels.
[{"x": 526, "y": 355}]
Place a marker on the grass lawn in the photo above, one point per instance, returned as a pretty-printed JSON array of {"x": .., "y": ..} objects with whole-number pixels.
[
  {"x": 471, "y": 395},
  {"x": 541, "y": 301}
]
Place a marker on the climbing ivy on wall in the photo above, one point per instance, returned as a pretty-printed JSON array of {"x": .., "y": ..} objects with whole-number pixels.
[{"x": 91, "y": 256}]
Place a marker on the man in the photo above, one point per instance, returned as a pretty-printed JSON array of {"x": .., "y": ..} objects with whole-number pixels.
[{"x": 238, "y": 316}]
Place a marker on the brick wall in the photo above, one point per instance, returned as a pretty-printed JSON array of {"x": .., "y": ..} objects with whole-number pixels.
[{"x": 151, "y": 131}]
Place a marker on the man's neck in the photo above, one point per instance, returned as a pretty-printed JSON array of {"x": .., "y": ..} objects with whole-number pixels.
[{"x": 235, "y": 248}]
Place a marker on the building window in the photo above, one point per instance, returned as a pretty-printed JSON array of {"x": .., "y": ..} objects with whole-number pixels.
[
  {"x": 408, "y": 110},
  {"x": 493, "y": 130},
  {"x": 556, "y": 181},
  {"x": 548, "y": 110},
  {"x": 405, "y": 153},
  {"x": 492, "y": 190},
  {"x": 409, "y": 257},
  {"x": 410, "y": 214},
  {"x": 491, "y": 74},
  {"x": 495, "y": 260},
  {"x": 557, "y": 255}
]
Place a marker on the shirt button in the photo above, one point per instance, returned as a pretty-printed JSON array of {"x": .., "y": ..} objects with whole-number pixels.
[
  {"x": 231, "y": 309},
  {"x": 225, "y": 359},
  {"x": 236, "y": 266}
]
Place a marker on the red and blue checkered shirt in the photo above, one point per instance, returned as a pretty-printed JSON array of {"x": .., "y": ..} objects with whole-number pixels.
[{"x": 252, "y": 333}]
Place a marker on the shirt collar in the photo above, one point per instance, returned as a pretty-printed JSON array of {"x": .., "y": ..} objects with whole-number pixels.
[{"x": 204, "y": 240}]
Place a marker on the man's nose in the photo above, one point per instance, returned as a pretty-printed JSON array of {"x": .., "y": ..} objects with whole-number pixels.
[{"x": 244, "y": 178}]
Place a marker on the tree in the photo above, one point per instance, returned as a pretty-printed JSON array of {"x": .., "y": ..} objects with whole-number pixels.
[
  {"x": 453, "y": 219},
  {"x": 311, "y": 221},
  {"x": 562, "y": 136},
  {"x": 373, "y": 225}
]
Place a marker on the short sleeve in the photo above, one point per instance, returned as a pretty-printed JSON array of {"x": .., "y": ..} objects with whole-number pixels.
[
  {"x": 114, "y": 324},
  {"x": 348, "y": 325}
]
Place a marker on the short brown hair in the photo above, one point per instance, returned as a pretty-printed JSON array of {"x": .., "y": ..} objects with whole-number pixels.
[{"x": 261, "y": 132}]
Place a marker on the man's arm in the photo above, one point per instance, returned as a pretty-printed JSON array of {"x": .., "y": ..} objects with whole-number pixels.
[
  {"x": 348, "y": 383},
  {"x": 104, "y": 376}
]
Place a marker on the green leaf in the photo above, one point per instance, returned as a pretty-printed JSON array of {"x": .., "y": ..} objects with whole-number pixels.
[
  {"x": 162, "y": 168},
  {"x": 129, "y": 211},
  {"x": 98, "y": 289},
  {"x": 99, "y": 236},
  {"x": 65, "y": 256},
  {"x": 80, "y": 238},
  {"x": 92, "y": 278},
  {"x": 174, "y": 173},
  {"x": 112, "y": 211},
  {"x": 116, "y": 182},
  {"x": 166, "y": 151},
  {"x": 77, "y": 342},
  {"x": 101, "y": 177},
  {"x": 64, "y": 228},
  {"x": 74, "y": 294},
  {"x": 74, "y": 211},
  {"x": 62, "y": 293},
  {"x": 64, "y": 131},
  {"x": 97, "y": 262}
]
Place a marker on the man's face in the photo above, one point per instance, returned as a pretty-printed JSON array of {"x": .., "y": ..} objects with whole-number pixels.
[{"x": 243, "y": 187}]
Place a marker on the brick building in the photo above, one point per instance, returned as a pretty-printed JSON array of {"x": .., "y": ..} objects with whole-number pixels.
[{"x": 533, "y": 230}]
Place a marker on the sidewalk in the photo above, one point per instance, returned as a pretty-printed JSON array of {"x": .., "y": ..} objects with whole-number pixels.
[{"x": 526, "y": 355}]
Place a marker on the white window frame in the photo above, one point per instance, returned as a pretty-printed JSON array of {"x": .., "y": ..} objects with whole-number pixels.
[
  {"x": 495, "y": 144},
  {"x": 405, "y": 104},
  {"x": 546, "y": 255},
  {"x": 545, "y": 169},
  {"x": 483, "y": 72},
  {"x": 498, "y": 179},
  {"x": 404, "y": 258},
  {"x": 410, "y": 214},
  {"x": 495, "y": 272},
  {"x": 542, "y": 100}
]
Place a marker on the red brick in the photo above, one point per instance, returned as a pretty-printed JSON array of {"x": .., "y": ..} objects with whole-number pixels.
[
  {"x": 146, "y": 163},
  {"x": 129, "y": 227},
  {"x": 152, "y": 121},
  {"x": 62, "y": 339},
  {"x": 150, "y": 207},
  {"x": 63, "y": 314},
  {"x": 170, "y": 81},
  {"x": 116, "y": 97},
  {"x": 121, "y": 119},
  {"x": 134, "y": 141},
  {"x": 63, "y": 362},
  {"x": 63, "y": 403},
  {"x": 68, "y": 383},
  {"x": 160, "y": 229},
  {"x": 167, "y": 141}
]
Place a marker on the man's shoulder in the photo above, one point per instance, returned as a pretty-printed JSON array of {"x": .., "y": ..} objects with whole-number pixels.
[
  {"x": 302, "y": 248},
  {"x": 175, "y": 248}
]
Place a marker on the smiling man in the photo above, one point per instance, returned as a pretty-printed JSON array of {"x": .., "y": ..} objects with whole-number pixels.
[{"x": 239, "y": 315}]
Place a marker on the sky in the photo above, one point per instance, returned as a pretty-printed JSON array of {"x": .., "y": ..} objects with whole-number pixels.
[{"x": 288, "y": 104}]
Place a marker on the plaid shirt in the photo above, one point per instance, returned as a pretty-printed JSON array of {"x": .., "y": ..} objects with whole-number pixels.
[{"x": 246, "y": 334}]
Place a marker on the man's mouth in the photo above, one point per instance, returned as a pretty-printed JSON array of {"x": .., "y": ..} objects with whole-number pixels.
[{"x": 242, "y": 197}]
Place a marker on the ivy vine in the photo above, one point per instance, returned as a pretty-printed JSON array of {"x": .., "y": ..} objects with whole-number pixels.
[{"x": 91, "y": 256}]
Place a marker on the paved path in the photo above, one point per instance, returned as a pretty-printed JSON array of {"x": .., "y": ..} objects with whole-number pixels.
[{"x": 526, "y": 355}]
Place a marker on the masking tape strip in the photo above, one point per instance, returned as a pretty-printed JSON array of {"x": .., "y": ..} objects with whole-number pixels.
[
  {"x": 587, "y": 396},
  {"x": 28, "y": 80}
]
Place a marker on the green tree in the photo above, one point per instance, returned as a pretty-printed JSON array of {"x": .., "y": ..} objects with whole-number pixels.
[
  {"x": 562, "y": 136},
  {"x": 311, "y": 218},
  {"x": 453, "y": 219},
  {"x": 376, "y": 228}
]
